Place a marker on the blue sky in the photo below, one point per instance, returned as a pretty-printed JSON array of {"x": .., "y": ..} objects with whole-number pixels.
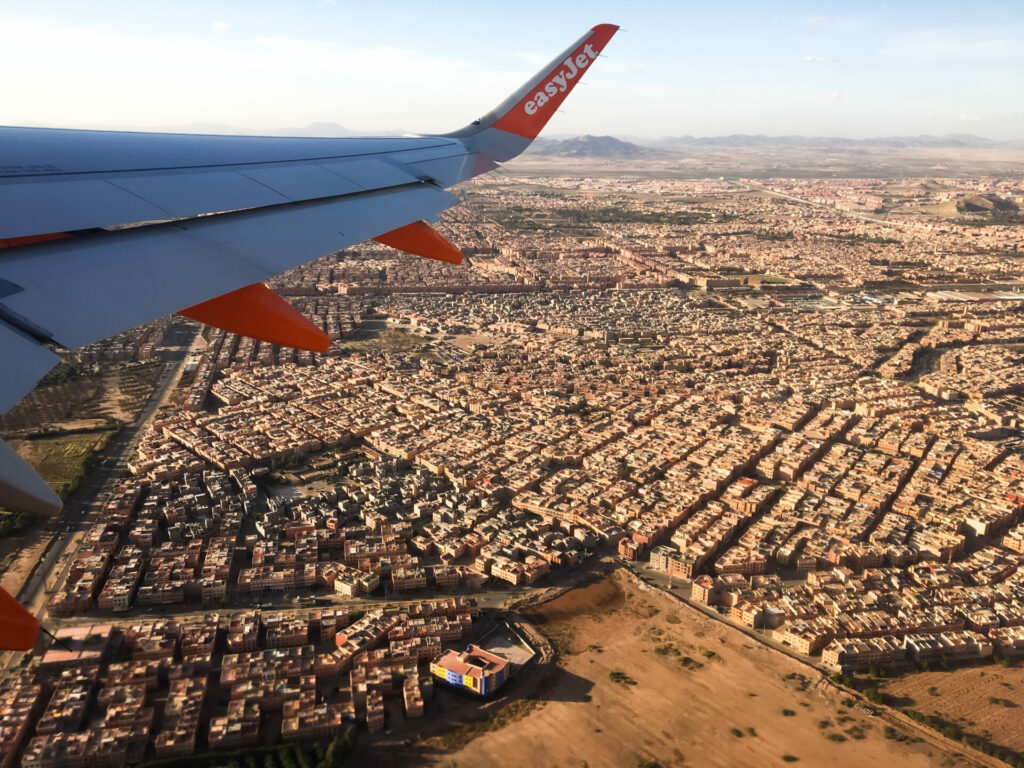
[{"x": 814, "y": 68}]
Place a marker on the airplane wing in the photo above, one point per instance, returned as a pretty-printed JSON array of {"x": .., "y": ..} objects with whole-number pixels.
[{"x": 101, "y": 231}]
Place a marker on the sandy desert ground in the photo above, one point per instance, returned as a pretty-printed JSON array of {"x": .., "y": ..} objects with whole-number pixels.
[
  {"x": 984, "y": 700},
  {"x": 643, "y": 680}
]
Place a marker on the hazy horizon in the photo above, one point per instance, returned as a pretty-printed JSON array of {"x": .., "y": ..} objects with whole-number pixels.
[
  {"x": 336, "y": 130},
  {"x": 810, "y": 69}
]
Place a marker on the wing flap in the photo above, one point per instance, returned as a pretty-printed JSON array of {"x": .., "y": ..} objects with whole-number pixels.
[
  {"x": 18, "y": 627},
  {"x": 302, "y": 182},
  {"x": 184, "y": 195},
  {"x": 24, "y": 363},
  {"x": 372, "y": 173},
  {"x": 37, "y": 207}
]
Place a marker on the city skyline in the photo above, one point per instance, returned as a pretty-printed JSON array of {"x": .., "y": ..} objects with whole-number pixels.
[{"x": 805, "y": 68}]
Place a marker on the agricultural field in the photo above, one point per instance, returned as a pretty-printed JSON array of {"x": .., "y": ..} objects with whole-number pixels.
[
  {"x": 984, "y": 701},
  {"x": 63, "y": 460}
]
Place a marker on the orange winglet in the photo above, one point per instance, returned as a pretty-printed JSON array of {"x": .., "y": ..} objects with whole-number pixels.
[
  {"x": 258, "y": 312},
  {"x": 420, "y": 239},
  {"x": 18, "y": 627},
  {"x": 534, "y": 110}
]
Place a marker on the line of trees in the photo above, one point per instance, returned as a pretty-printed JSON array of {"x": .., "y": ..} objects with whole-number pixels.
[{"x": 293, "y": 755}]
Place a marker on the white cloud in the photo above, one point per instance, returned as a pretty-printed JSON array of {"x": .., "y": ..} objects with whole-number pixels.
[
  {"x": 220, "y": 26},
  {"x": 818, "y": 59}
]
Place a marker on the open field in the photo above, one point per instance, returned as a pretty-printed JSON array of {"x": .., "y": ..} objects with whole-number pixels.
[
  {"x": 62, "y": 460},
  {"x": 374, "y": 337},
  {"x": 20, "y": 554},
  {"x": 985, "y": 701},
  {"x": 133, "y": 386},
  {"x": 83, "y": 400},
  {"x": 78, "y": 399},
  {"x": 644, "y": 678}
]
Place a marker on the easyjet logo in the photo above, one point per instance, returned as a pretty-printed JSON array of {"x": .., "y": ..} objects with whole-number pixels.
[{"x": 561, "y": 82}]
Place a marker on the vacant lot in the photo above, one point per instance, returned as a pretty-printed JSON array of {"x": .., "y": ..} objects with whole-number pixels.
[
  {"x": 985, "y": 701},
  {"x": 79, "y": 399},
  {"x": 373, "y": 339},
  {"x": 642, "y": 678},
  {"x": 64, "y": 460}
]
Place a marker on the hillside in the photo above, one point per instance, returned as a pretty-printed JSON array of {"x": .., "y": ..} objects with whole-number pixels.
[{"x": 590, "y": 146}]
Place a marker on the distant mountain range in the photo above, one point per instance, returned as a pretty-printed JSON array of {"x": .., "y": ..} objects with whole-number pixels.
[
  {"x": 952, "y": 140},
  {"x": 632, "y": 147},
  {"x": 610, "y": 147},
  {"x": 590, "y": 146}
]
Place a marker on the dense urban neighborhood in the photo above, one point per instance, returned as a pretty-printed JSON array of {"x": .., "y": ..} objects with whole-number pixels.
[{"x": 793, "y": 403}]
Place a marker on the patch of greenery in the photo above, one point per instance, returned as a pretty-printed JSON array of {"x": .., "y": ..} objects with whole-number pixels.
[
  {"x": 857, "y": 733},
  {"x": 854, "y": 238},
  {"x": 65, "y": 461},
  {"x": 842, "y": 679},
  {"x": 874, "y": 695},
  {"x": 994, "y": 218},
  {"x": 295, "y": 755},
  {"x": 622, "y": 678},
  {"x": 14, "y": 523},
  {"x": 60, "y": 374}
]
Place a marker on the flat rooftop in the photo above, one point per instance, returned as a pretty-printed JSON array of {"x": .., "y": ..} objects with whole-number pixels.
[{"x": 505, "y": 642}]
